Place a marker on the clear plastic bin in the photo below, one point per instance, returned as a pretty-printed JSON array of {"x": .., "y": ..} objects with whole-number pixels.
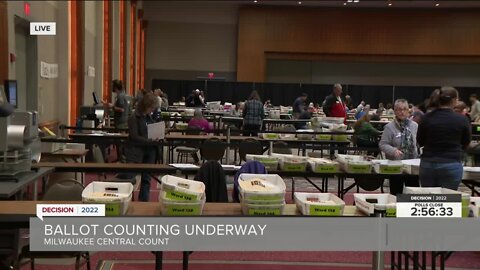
[
  {"x": 319, "y": 208},
  {"x": 114, "y": 206}
]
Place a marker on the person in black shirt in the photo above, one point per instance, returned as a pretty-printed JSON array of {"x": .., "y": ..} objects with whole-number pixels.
[
  {"x": 195, "y": 99},
  {"x": 299, "y": 105},
  {"x": 444, "y": 136},
  {"x": 305, "y": 115}
]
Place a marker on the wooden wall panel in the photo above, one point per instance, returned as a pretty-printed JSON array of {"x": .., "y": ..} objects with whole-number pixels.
[
  {"x": 76, "y": 58},
  {"x": 3, "y": 42},
  {"x": 107, "y": 51},
  {"x": 123, "y": 41},
  {"x": 131, "y": 70},
  {"x": 422, "y": 33}
]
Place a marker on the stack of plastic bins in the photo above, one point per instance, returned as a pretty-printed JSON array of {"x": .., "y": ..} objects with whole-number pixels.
[
  {"x": 181, "y": 197},
  {"x": 269, "y": 202}
]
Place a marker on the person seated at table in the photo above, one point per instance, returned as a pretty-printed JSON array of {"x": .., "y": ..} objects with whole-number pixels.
[
  {"x": 137, "y": 149},
  {"x": 238, "y": 109},
  {"x": 299, "y": 105},
  {"x": 199, "y": 121},
  {"x": 381, "y": 109},
  {"x": 267, "y": 104},
  {"x": 389, "y": 110},
  {"x": 305, "y": 115},
  {"x": 366, "y": 135},
  {"x": 461, "y": 108},
  {"x": 365, "y": 111}
]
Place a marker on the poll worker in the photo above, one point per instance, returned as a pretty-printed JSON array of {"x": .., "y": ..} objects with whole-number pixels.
[
  {"x": 334, "y": 105},
  {"x": 444, "y": 136},
  {"x": 120, "y": 107},
  {"x": 399, "y": 141},
  {"x": 475, "y": 109},
  {"x": 299, "y": 105},
  {"x": 253, "y": 114},
  {"x": 138, "y": 150}
]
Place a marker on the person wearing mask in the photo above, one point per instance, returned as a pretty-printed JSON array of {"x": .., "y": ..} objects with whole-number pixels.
[
  {"x": 299, "y": 105},
  {"x": 253, "y": 114},
  {"x": 120, "y": 107},
  {"x": 199, "y": 121},
  {"x": 334, "y": 105},
  {"x": 399, "y": 141},
  {"x": 475, "y": 109},
  {"x": 366, "y": 135},
  {"x": 138, "y": 150},
  {"x": 444, "y": 135}
]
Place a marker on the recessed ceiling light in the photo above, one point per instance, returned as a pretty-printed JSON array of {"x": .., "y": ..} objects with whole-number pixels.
[
  {"x": 299, "y": 3},
  {"x": 350, "y": 1},
  {"x": 356, "y": 1},
  {"x": 345, "y": 3},
  {"x": 255, "y": 1},
  {"x": 437, "y": 4},
  {"x": 390, "y": 4}
]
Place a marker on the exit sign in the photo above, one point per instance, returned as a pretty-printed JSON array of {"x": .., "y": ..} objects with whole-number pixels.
[{"x": 43, "y": 28}]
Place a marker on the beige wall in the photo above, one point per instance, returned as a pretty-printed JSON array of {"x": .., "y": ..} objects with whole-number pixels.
[
  {"x": 53, "y": 94},
  {"x": 91, "y": 50},
  {"x": 187, "y": 40},
  {"x": 48, "y": 90}
]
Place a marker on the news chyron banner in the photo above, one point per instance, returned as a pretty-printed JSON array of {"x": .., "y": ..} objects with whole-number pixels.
[{"x": 253, "y": 234}]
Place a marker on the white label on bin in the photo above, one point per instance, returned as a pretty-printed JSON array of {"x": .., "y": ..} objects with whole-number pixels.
[{"x": 70, "y": 210}]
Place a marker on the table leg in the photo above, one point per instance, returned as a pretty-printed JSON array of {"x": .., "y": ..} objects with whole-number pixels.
[
  {"x": 270, "y": 148},
  {"x": 424, "y": 260},
  {"x": 378, "y": 262},
  {"x": 340, "y": 191},
  {"x": 399, "y": 260},
  {"x": 433, "y": 261},
  {"x": 415, "y": 260},
  {"x": 407, "y": 263},
  {"x": 442, "y": 261},
  {"x": 158, "y": 260},
  {"x": 35, "y": 189},
  {"x": 293, "y": 187}
]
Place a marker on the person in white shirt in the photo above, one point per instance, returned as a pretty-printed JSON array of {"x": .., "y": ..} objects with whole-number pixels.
[{"x": 475, "y": 109}]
